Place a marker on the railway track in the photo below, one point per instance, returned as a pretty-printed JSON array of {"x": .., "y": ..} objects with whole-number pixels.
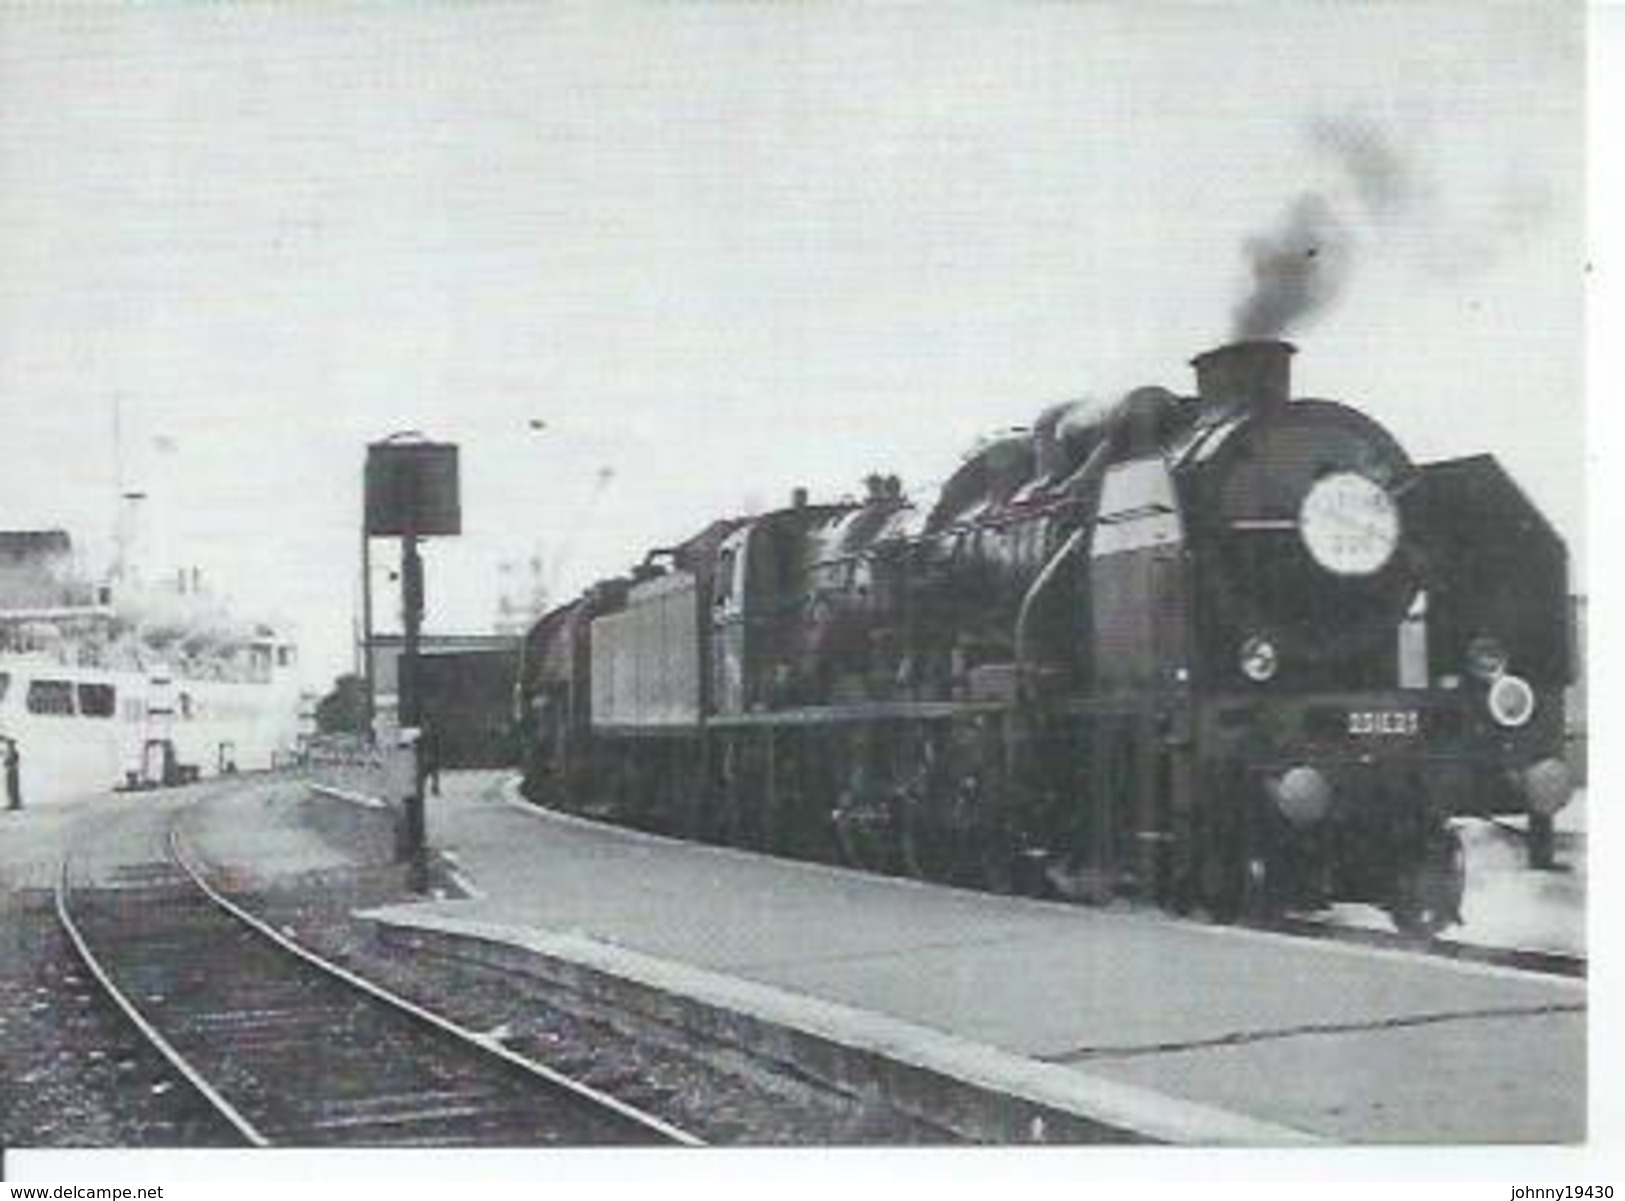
[
  {"x": 1549, "y": 963},
  {"x": 291, "y": 1049}
]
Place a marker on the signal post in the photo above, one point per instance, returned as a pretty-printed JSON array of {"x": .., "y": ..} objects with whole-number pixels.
[{"x": 411, "y": 493}]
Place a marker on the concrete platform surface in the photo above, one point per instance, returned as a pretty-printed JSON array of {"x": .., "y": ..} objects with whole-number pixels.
[{"x": 1329, "y": 1041}]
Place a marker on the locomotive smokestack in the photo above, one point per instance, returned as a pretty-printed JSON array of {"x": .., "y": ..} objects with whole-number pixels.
[{"x": 1255, "y": 374}]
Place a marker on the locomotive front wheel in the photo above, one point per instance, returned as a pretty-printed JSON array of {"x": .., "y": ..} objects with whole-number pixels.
[
  {"x": 1182, "y": 889},
  {"x": 802, "y": 801},
  {"x": 1232, "y": 876},
  {"x": 862, "y": 820},
  {"x": 740, "y": 789},
  {"x": 940, "y": 807},
  {"x": 1427, "y": 893},
  {"x": 865, "y": 837},
  {"x": 926, "y": 836},
  {"x": 995, "y": 859}
]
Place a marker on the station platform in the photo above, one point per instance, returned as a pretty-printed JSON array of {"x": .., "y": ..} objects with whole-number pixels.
[{"x": 1004, "y": 1017}]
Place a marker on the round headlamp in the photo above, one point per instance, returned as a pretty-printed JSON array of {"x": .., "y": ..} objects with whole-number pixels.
[
  {"x": 1259, "y": 660},
  {"x": 1486, "y": 658},
  {"x": 1511, "y": 701}
]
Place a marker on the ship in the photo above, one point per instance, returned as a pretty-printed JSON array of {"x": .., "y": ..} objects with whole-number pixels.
[{"x": 120, "y": 684}]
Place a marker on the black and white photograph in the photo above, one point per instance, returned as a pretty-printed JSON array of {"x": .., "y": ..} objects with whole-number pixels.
[{"x": 792, "y": 576}]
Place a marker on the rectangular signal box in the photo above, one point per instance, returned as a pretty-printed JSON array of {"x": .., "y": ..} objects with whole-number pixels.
[{"x": 411, "y": 489}]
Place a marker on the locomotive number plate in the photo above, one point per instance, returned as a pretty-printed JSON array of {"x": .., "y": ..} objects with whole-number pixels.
[{"x": 1399, "y": 723}]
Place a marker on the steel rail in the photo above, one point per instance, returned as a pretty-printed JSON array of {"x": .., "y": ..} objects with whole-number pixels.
[
  {"x": 1534, "y": 962},
  {"x": 198, "y": 1082},
  {"x": 482, "y": 1043}
]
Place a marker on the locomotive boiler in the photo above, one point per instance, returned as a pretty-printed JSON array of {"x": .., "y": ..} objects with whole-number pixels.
[{"x": 1231, "y": 650}]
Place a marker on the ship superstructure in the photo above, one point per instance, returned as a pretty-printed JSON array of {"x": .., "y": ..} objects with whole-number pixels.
[{"x": 112, "y": 684}]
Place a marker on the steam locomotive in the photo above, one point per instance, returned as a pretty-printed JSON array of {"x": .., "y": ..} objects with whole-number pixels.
[{"x": 1232, "y": 651}]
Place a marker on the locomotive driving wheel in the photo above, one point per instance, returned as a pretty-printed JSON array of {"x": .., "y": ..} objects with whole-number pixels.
[
  {"x": 926, "y": 803},
  {"x": 864, "y": 818},
  {"x": 802, "y": 799},
  {"x": 1427, "y": 891},
  {"x": 951, "y": 826},
  {"x": 736, "y": 793}
]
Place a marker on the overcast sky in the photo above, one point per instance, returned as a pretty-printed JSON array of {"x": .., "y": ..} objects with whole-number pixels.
[{"x": 722, "y": 251}]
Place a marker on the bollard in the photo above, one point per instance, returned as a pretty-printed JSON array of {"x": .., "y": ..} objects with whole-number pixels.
[{"x": 405, "y": 782}]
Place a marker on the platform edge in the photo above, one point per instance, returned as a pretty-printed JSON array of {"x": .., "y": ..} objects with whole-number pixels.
[{"x": 975, "y": 1090}]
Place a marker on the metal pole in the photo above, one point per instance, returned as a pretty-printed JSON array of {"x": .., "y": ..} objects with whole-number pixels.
[
  {"x": 411, "y": 628},
  {"x": 409, "y": 705},
  {"x": 118, "y": 495},
  {"x": 370, "y": 706}
]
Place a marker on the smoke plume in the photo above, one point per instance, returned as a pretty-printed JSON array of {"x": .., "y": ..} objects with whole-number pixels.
[
  {"x": 1385, "y": 184},
  {"x": 1373, "y": 196},
  {"x": 1300, "y": 267}
]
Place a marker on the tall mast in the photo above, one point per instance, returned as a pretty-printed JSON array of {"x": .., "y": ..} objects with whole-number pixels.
[
  {"x": 118, "y": 487},
  {"x": 125, "y": 514}
]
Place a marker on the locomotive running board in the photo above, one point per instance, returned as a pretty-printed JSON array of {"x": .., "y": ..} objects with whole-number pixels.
[{"x": 880, "y": 711}]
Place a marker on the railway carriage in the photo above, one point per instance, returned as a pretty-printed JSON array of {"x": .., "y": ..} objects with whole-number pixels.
[{"x": 1231, "y": 650}]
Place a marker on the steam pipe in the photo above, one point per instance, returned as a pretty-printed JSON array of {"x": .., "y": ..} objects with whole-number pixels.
[
  {"x": 1030, "y": 600},
  {"x": 1085, "y": 475}
]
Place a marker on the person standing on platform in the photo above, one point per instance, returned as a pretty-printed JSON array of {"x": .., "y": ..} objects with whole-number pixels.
[
  {"x": 430, "y": 743},
  {"x": 14, "y": 774}
]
